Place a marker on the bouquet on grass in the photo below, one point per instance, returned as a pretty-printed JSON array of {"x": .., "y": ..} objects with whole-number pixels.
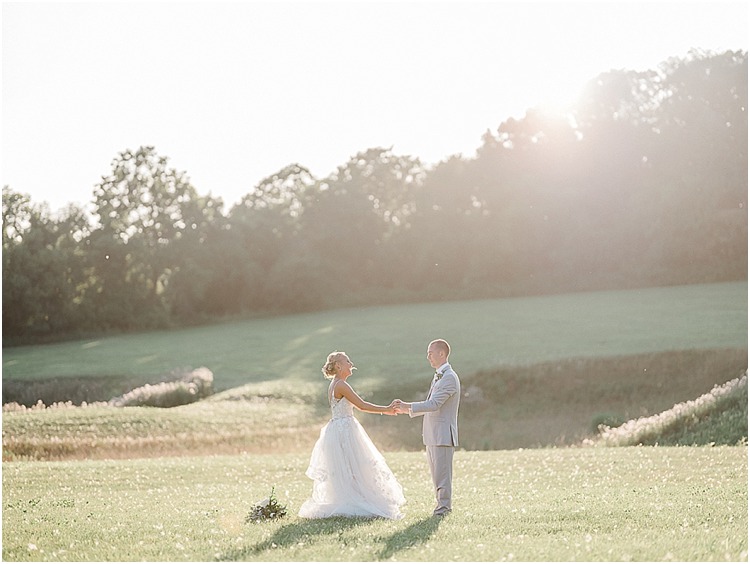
[{"x": 269, "y": 508}]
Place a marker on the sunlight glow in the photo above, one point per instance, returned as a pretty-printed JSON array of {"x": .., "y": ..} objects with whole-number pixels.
[
  {"x": 242, "y": 65},
  {"x": 562, "y": 97}
]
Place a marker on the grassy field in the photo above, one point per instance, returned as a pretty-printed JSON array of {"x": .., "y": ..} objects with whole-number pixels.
[
  {"x": 389, "y": 343},
  {"x": 102, "y": 483},
  {"x": 596, "y": 504}
]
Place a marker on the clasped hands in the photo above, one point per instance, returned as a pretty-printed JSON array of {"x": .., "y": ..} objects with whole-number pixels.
[{"x": 396, "y": 407}]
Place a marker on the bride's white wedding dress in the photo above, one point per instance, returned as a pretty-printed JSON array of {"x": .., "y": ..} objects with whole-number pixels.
[{"x": 350, "y": 476}]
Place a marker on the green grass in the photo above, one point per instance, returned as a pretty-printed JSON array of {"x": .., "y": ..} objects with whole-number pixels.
[
  {"x": 603, "y": 504},
  {"x": 389, "y": 343}
]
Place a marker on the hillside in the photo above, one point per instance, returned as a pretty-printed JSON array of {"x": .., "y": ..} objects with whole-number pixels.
[
  {"x": 534, "y": 371},
  {"x": 559, "y": 403},
  {"x": 388, "y": 343}
]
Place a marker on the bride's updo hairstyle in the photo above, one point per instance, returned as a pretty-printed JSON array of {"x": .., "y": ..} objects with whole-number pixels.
[{"x": 329, "y": 368}]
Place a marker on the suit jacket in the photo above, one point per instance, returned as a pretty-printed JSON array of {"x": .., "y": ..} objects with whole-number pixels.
[{"x": 440, "y": 411}]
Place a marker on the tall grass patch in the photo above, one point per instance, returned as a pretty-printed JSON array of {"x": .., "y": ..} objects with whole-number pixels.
[
  {"x": 205, "y": 427},
  {"x": 717, "y": 417}
]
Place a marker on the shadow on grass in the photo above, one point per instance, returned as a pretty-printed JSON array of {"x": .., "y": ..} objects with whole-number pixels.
[
  {"x": 415, "y": 534},
  {"x": 302, "y": 531}
]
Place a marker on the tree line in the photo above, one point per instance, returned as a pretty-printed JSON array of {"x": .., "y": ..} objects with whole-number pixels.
[{"x": 642, "y": 183}]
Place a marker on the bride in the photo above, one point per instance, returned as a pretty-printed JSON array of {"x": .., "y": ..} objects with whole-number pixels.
[{"x": 350, "y": 476}]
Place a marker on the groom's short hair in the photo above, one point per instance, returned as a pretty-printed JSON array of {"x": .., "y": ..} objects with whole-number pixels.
[{"x": 440, "y": 343}]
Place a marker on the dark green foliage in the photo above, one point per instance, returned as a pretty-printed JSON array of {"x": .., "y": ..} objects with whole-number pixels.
[{"x": 607, "y": 419}]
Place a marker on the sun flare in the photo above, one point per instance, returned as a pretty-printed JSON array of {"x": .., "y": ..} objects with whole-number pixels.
[{"x": 562, "y": 94}]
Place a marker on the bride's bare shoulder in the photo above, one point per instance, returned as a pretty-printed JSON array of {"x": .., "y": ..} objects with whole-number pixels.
[{"x": 339, "y": 388}]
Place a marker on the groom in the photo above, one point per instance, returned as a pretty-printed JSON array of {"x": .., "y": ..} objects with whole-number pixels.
[{"x": 440, "y": 423}]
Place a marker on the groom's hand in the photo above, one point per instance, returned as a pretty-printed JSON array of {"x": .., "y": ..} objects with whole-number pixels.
[
  {"x": 390, "y": 410},
  {"x": 401, "y": 407}
]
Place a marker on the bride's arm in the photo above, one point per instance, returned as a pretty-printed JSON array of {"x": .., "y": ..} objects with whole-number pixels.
[{"x": 346, "y": 390}]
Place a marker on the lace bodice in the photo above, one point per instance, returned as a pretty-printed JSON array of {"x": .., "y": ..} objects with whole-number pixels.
[{"x": 341, "y": 407}]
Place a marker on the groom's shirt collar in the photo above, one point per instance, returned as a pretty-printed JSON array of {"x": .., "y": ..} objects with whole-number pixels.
[{"x": 443, "y": 368}]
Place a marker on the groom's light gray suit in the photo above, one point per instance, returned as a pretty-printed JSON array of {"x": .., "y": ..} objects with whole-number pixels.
[{"x": 440, "y": 432}]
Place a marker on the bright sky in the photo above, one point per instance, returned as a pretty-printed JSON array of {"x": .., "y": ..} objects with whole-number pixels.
[{"x": 233, "y": 92}]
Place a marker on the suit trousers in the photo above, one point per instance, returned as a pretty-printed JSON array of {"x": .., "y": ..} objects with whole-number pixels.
[{"x": 440, "y": 459}]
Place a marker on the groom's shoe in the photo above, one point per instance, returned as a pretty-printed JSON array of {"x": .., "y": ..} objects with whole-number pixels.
[{"x": 443, "y": 513}]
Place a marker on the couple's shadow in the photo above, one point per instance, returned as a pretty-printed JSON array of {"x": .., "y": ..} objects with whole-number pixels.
[
  {"x": 415, "y": 534},
  {"x": 307, "y": 530}
]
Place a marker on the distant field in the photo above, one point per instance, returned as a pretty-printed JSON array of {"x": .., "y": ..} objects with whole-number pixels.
[
  {"x": 388, "y": 344},
  {"x": 594, "y": 504}
]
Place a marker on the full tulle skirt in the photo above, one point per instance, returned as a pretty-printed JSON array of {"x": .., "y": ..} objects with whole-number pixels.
[{"x": 350, "y": 476}]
